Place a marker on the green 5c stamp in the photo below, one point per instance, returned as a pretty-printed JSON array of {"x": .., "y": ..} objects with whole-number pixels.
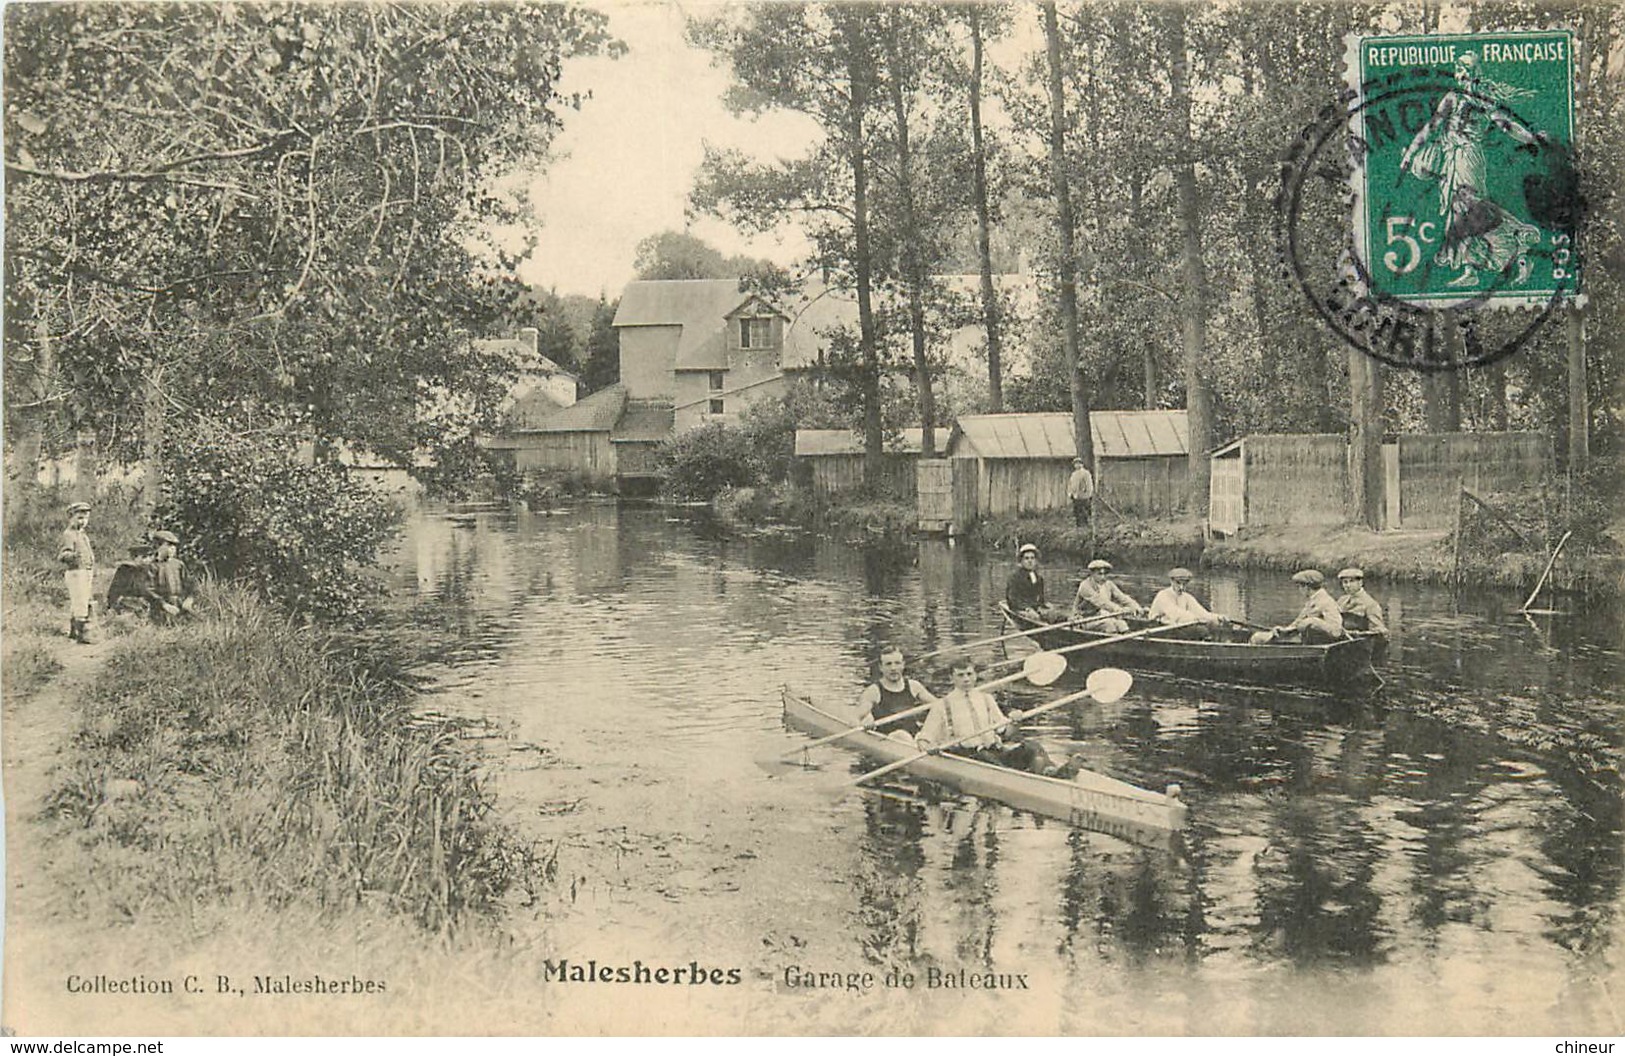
[{"x": 1463, "y": 178}]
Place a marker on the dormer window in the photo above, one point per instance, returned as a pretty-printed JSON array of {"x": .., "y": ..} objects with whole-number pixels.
[{"x": 755, "y": 333}]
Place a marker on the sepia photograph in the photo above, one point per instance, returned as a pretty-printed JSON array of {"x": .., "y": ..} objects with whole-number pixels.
[{"x": 1088, "y": 519}]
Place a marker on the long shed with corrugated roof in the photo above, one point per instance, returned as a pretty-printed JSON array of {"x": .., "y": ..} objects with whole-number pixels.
[{"x": 1023, "y": 460}]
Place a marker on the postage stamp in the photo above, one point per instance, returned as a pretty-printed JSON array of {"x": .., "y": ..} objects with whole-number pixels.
[
  {"x": 1441, "y": 182},
  {"x": 1463, "y": 188}
]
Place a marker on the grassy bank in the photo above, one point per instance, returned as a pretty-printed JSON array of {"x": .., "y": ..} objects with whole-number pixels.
[
  {"x": 855, "y": 517},
  {"x": 1169, "y": 542},
  {"x": 252, "y": 760}
]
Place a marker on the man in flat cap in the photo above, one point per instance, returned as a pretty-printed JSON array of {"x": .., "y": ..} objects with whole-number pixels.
[
  {"x": 1361, "y": 612},
  {"x": 1176, "y": 604},
  {"x": 79, "y": 568},
  {"x": 1098, "y": 596},
  {"x": 1319, "y": 621},
  {"x": 1024, "y": 590},
  {"x": 168, "y": 588}
]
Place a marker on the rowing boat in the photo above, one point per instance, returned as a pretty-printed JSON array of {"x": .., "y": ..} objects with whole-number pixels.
[
  {"x": 1089, "y": 801},
  {"x": 1228, "y": 656}
]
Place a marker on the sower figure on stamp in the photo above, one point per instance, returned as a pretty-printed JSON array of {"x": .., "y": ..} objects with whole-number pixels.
[
  {"x": 79, "y": 568},
  {"x": 1319, "y": 621},
  {"x": 168, "y": 587},
  {"x": 1080, "y": 488},
  {"x": 1479, "y": 235}
]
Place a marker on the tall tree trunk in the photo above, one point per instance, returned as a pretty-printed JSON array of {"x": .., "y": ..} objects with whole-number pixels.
[
  {"x": 913, "y": 273},
  {"x": 1365, "y": 440},
  {"x": 858, "y": 77},
  {"x": 30, "y": 449},
  {"x": 1193, "y": 303},
  {"x": 1441, "y": 390},
  {"x": 152, "y": 438},
  {"x": 1067, "y": 266},
  {"x": 984, "y": 226},
  {"x": 1579, "y": 413},
  {"x": 1495, "y": 377}
]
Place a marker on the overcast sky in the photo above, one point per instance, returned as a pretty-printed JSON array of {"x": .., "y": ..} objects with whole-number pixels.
[{"x": 626, "y": 161}]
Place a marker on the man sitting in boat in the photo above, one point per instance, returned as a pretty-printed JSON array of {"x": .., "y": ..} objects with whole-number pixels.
[
  {"x": 1319, "y": 622},
  {"x": 1098, "y": 595},
  {"x": 1360, "y": 610},
  {"x": 1176, "y": 604},
  {"x": 893, "y": 693},
  {"x": 1024, "y": 590},
  {"x": 966, "y": 710}
]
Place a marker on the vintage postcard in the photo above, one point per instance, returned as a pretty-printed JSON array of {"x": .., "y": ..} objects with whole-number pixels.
[{"x": 1078, "y": 519}]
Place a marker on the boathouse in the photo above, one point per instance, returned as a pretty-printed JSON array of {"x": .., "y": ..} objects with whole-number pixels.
[
  {"x": 834, "y": 460},
  {"x": 1020, "y": 463}
]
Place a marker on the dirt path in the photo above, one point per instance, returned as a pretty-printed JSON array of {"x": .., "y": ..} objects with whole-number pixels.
[{"x": 36, "y": 738}]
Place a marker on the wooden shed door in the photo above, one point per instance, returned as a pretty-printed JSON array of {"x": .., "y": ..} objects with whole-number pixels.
[
  {"x": 934, "y": 482},
  {"x": 1224, "y": 496}
]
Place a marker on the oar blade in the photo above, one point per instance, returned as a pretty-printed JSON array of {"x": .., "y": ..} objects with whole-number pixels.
[
  {"x": 1043, "y": 668},
  {"x": 784, "y": 763},
  {"x": 1108, "y": 684}
]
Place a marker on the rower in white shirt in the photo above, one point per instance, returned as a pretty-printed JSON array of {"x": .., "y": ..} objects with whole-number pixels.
[{"x": 1176, "y": 604}]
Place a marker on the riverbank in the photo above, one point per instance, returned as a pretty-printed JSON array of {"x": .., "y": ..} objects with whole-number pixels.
[
  {"x": 1429, "y": 556},
  {"x": 248, "y": 797}
]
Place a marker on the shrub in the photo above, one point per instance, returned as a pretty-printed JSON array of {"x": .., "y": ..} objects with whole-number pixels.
[
  {"x": 305, "y": 534},
  {"x": 701, "y": 462}
]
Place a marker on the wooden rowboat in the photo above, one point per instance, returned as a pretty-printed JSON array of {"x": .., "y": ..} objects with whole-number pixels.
[
  {"x": 1089, "y": 801},
  {"x": 1228, "y": 657}
]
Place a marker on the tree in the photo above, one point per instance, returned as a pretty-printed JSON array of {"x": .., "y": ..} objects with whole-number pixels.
[
  {"x": 976, "y": 19},
  {"x": 816, "y": 60},
  {"x": 1066, "y": 263},
  {"x": 272, "y": 209},
  {"x": 603, "y": 356}
]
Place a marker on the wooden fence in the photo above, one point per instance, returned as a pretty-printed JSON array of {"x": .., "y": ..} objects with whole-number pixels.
[{"x": 1432, "y": 467}]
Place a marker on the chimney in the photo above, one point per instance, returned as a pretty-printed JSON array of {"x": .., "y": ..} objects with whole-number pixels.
[{"x": 531, "y": 338}]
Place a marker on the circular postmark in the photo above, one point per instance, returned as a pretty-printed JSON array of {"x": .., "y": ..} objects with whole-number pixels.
[{"x": 1416, "y": 202}]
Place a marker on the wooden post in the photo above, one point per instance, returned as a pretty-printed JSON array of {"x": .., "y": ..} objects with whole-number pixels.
[
  {"x": 1579, "y": 416},
  {"x": 1365, "y": 504}
]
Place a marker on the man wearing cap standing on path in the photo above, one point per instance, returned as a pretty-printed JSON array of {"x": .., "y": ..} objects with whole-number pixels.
[
  {"x": 79, "y": 564},
  {"x": 1319, "y": 621},
  {"x": 1361, "y": 612},
  {"x": 1024, "y": 590},
  {"x": 1098, "y": 595},
  {"x": 168, "y": 588},
  {"x": 1080, "y": 488},
  {"x": 1176, "y": 604}
]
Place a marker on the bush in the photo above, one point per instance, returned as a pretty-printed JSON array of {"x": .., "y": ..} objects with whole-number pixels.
[
  {"x": 701, "y": 462},
  {"x": 304, "y": 534}
]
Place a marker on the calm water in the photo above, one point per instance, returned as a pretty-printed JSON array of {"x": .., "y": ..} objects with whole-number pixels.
[{"x": 1448, "y": 864}]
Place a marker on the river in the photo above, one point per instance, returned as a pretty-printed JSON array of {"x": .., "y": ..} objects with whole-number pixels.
[{"x": 1446, "y": 860}]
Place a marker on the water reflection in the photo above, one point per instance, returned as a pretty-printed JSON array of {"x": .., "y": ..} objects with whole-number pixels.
[{"x": 1469, "y": 820}]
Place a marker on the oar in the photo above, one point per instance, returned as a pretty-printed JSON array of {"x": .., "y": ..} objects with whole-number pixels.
[
  {"x": 1074, "y": 622},
  {"x": 1126, "y": 636},
  {"x": 1040, "y": 669},
  {"x": 1143, "y": 632},
  {"x": 1542, "y": 581},
  {"x": 1106, "y": 685}
]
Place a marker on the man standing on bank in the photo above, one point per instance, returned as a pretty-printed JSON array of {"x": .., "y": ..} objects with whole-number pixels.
[
  {"x": 1319, "y": 622},
  {"x": 1361, "y": 612},
  {"x": 79, "y": 568},
  {"x": 1080, "y": 488},
  {"x": 892, "y": 693},
  {"x": 1098, "y": 595}
]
